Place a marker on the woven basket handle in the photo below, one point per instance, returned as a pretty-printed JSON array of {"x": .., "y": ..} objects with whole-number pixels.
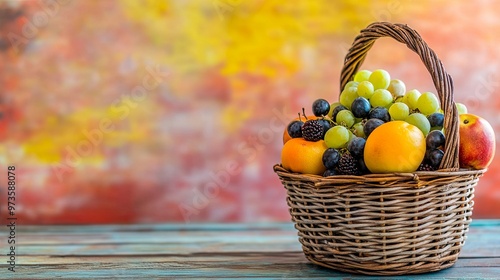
[{"x": 442, "y": 81}]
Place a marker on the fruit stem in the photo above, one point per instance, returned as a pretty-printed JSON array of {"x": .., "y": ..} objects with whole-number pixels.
[{"x": 304, "y": 113}]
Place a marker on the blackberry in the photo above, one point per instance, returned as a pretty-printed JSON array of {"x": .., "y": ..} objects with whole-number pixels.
[
  {"x": 312, "y": 130},
  {"x": 348, "y": 165},
  {"x": 425, "y": 167}
]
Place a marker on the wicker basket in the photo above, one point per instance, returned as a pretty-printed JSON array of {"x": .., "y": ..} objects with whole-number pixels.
[{"x": 387, "y": 224}]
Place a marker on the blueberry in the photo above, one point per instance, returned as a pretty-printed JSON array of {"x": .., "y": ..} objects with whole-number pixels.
[
  {"x": 360, "y": 107},
  {"x": 320, "y": 107},
  {"x": 436, "y": 120},
  {"x": 362, "y": 166},
  {"x": 435, "y": 139},
  {"x": 330, "y": 172},
  {"x": 357, "y": 147},
  {"x": 295, "y": 129},
  {"x": 434, "y": 157},
  {"x": 331, "y": 158},
  {"x": 370, "y": 126},
  {"x": 380, "y": 113},
  {"x": 326, "y": 125}
]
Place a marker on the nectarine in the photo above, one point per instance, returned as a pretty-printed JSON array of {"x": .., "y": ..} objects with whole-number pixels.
[{"x": 477, "y": 142}]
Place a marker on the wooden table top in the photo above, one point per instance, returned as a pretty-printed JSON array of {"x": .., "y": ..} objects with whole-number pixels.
[{"x": 198, "y": 251}]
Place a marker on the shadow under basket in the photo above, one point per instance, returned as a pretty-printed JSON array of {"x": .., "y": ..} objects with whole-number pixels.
[{"x": 387, "y": 224}]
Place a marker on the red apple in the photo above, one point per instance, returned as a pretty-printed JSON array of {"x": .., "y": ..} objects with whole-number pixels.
[{"x": 477, "y": 142}]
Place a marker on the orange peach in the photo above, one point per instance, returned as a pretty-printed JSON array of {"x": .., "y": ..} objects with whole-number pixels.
[{"x": 302, "y": 156}]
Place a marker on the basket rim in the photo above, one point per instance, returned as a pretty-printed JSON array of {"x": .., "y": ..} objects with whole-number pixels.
[{"x": 378, "y": 178}]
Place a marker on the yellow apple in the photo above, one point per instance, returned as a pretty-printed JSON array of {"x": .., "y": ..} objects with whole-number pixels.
[{"x": 477, "y": 142}]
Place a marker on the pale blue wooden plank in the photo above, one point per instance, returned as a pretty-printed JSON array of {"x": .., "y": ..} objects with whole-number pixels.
[
  {"x": 231, "y": 250},
  {"x": 285, "y": 226},
  {"x": 154, "y": 249},
  {"x": 477, "y": 244},
  {"x": 188, "y": 227},
  {"x": 485, "y": 223},
  {"x": 298, "y": 271},
  {"x": 202, "y": 260},
  {"x": 175, "y": 227},
  {"x": 44, "y": 238}
]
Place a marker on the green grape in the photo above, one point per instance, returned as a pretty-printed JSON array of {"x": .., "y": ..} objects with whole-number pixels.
[
  {"x": 358, "y": 129},
  {"x": 332, "y": 106},
  {"x": 381, "y": 98},
  {"x": 351, "y": 136},
  {"x": 420, "y": 121},
  {"x": 365, "y": 89},
  {"x": 345, "y": 118},
  {"x": 399, "y": 99},
  {"x": 460, "y": 107},
  {"x": 351, "y": 84},
  {"x": 348, "y": 95},
  {"x": 428, "y": 103},
  {"x": 399, "y": 111},
  {"x": 397, "y": 88},
  {"x": 380, "y": 79},
  {"x": 411, "y": 98},
  {"x": 337, "y": 137},
  {"x": 362, "y": 75}
]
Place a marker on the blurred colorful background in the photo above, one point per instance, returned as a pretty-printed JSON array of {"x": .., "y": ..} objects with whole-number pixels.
[{"x": 173, "y": 111}]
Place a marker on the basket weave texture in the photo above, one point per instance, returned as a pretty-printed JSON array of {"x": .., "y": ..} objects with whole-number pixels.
[{"x": 387, "y": 224}]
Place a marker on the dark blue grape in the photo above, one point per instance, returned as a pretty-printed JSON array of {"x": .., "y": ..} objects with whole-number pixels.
[
  {"x": 362, "y": 166},
  {"x": 434, "y": 157},
  {"x": 434, "y": 140},
  {"x": 436, "y": 120},
  {"x": 330, "y": 172},
  {"x": 331, "y": 158},
  {"x": 320, "y": 107},
  {"x": 336, "y": 110},
  {"x": 357, "y": 147},
  {"x": 370, "y": 125},
  {"x": 326, "y": 125},
  {"x": 380, "y": 113},
  {"x": 360, "y": 107},
  {"x": 295, "y": 129}
]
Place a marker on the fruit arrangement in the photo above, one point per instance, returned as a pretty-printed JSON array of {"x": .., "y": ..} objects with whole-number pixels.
[
  {"x": 425, "y": 154},
  {"x": 379, "y": 127}
]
